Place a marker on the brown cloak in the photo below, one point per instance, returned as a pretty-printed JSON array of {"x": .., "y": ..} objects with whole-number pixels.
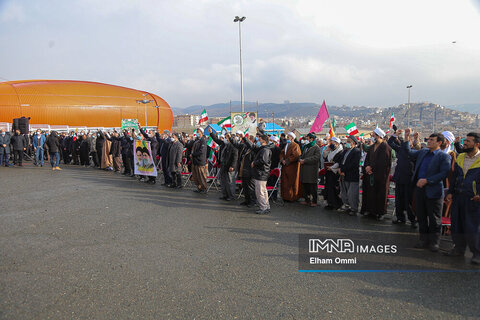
[{"x": 290, "y": 180}]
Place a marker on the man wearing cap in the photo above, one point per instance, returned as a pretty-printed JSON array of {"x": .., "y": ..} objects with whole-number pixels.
[
  {"x": 350, "y": 175},
  {"x": 431, "y": 168},
  {"x": 309, "y": 163},
  {"x": 199, "y": 162},
  {"x": 376, "y": 176},
  {"x": 464, "y": 192},
  {"x": 290, "y": 180}
]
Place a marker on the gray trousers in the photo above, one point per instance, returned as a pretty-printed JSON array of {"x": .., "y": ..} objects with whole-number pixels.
[
  {"x": 350, "y": 193},
  {"x": 262, "y": 194},
  {"x": 226, "y": 182}
]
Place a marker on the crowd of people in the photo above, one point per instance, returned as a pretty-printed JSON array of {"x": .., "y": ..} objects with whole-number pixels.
[{"x": 433, "y": 179}]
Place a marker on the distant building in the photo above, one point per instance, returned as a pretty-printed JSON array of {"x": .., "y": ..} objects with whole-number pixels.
[
  {"x": 185, "y": 120},
  {"x": 274, "y": 129},
  {"x": 301, "y": 131}
]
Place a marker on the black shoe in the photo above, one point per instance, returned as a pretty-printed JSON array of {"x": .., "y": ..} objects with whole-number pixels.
[
  {"x": 398, "y": 221},
  {"x": 197, "y": 190},
  {"x": 179, "y": 187},
  {"x": 414, "y": 225},
  {"x": 380, "y": 218},
  {"x": 455, "y": 253},
  {"x": 223, "y": 198},
  {"x": 250, "y": 205},
  {"x": 475, "y": 260},
  {"x": 329, "y": 207},
  {"x": 352, "y": 213},
  {"x": 244, "y": 203},
  {"x": 421, "y": 245},
  {"x": 229, "y": 199},
  {"x": 434, "y": 247}
]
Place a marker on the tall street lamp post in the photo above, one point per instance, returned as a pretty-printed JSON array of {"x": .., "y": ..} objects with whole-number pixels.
[
  {"x": 145, "y": 102},
  {"x": 408, "y": 112},
  {"x": 240, "y": 20}
]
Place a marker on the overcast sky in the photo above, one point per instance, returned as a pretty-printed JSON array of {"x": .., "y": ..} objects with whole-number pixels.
[{"x": 347, "y": 51}]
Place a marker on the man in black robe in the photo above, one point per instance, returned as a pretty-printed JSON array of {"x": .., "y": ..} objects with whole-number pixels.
[{"x": 376, "y": 176}]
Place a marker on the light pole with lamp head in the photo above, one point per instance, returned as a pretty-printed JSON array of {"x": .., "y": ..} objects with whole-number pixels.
[
  {"x": 145, "y": 102},
  {"x": 408, "y": 112},
  {"x": 240, "y": 20}
]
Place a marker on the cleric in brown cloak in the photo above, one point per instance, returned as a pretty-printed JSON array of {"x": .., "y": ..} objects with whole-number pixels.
[
  {"x": 376, "y": 176},
  {"x": 291, "y": 189}
]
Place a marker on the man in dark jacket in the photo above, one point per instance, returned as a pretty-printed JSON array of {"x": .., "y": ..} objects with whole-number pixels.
[
  {"x": 261, "y": 170},
  {"x": 116, "y": 150},
  {"x": 163, "y": 146},
  {"x": 228, "y": 163},
  {"x": 127, "y": 153},
  {"x": 199, "y": 162},
  {"x": 464, "y": 193},
  {"x": 66, "y": 147},
  {"x": 431, "y": 168},
  {"x": 175, "y": 154},
  {"x": 350, "y": 175},
  {"x": 77, "y": 141},
  {"x": 309, "y": 163},
  {"x": 53, "y": 146},
  {"x": 403, "y": 180},
  {"x": 84, "y": 151},
  {"x": 19, "y": 146},
  {"x": 245, "y": 170},
  {"x": 4, "y": 147},
  {"x": 99, "y": 147}
]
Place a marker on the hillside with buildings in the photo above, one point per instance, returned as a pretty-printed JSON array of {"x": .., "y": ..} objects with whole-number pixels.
[{"x": 422, "y": 117}]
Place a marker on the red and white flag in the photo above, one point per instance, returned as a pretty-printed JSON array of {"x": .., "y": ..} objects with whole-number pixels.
[
  {"x": 203, "y": 117},
  {"x": 351, "y": 129},
  {"x": 392, "y": 120}
]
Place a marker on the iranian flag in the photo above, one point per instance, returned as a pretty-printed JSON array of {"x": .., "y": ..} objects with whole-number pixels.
[
  {"x": 392, "y": 120},
  {"x": 351, "y": 129},
  {"x": 203, "y": 117},
  {"x": 212, "y": 158},
  {"x": 226, "y": 123},
  {"x": 245, "y": 133},
  {"x": 211, "y": 143}
]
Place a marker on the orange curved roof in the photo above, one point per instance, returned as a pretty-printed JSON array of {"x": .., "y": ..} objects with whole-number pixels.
[{"x": 80, "y": 103}]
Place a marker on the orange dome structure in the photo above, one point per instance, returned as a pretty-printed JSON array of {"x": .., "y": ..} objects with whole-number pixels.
[{"x": 81, "y": 103}]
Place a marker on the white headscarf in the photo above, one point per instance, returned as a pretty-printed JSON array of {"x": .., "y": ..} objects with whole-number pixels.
[{"x": 333, "y": 153}]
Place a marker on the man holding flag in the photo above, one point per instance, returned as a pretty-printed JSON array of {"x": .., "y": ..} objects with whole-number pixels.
[{"x": 228, "y": 163}]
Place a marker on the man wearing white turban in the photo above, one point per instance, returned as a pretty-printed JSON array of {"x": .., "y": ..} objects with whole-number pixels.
[
  {"x": 376, "y": 178},
  {"x": 291, "y": 189}
]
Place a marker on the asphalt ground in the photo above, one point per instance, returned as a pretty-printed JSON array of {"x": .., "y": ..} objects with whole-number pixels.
[{"x": 88, "y": 244}]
